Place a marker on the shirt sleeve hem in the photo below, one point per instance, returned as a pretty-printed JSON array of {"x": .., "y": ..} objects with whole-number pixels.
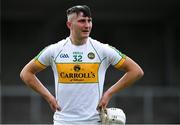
[
  {"x": 119, "y": 64},
  {"x": 39, "y": 64}
]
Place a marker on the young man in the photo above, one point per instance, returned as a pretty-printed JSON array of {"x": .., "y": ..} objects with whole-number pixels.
[{"x": 79, "y": 64}]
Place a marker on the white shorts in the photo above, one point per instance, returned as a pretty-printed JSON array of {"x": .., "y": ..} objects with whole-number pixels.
[{"x": 76, "y": 123}]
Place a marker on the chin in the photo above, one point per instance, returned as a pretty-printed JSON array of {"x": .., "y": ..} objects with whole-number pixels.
[{"x": 85, "y": 36}]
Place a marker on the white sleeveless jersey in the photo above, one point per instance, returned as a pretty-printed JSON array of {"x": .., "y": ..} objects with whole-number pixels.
[{"x": 79, "y": 73}]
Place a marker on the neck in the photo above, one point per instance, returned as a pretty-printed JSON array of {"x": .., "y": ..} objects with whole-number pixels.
[{"x": 78, "y": 41}]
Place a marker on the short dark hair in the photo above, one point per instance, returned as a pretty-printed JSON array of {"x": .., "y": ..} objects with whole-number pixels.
[{"x": 79, "y": 8}]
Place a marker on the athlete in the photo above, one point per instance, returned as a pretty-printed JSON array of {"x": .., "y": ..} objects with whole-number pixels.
[{"x": 79, "y": 63}]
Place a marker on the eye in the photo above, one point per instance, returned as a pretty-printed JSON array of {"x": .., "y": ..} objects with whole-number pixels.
[{"x": 89, "y": 20}]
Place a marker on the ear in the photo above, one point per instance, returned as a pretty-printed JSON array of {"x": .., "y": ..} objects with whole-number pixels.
[{"x": 68, "y": 24}]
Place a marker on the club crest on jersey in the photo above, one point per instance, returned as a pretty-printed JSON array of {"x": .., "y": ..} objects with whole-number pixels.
[
  {"x": 91, "y": 55},
  {"x": 63, "y": 55}
]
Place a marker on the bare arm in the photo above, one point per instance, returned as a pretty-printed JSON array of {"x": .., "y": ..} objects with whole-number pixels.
[
  {"x": 133, "y": 72},
  {"x": 28, "y": 76}
]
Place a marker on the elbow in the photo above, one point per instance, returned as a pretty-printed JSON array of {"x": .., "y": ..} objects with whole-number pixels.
[
  {"x": 140, "y": 73},
  {"x": 22, "y": 75}
]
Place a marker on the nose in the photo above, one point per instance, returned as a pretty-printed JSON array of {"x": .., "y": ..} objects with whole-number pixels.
[{"x": 87, "y": 24}]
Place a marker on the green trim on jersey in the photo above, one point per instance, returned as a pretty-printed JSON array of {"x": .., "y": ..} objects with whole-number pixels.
[
  {"x": 121, "y": 54},
  {"x": 36, "y": 57}
]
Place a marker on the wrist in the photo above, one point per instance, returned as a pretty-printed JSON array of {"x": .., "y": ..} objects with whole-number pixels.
[
  {"x": 49, "y": 97},
  {"x": 109, "y": 93}
]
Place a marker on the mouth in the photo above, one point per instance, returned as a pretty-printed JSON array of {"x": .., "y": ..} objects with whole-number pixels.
[{"x": 85, "y": 31}]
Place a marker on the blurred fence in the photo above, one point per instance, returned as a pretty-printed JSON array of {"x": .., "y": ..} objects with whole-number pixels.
[{"x": 141, "y": 105}]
